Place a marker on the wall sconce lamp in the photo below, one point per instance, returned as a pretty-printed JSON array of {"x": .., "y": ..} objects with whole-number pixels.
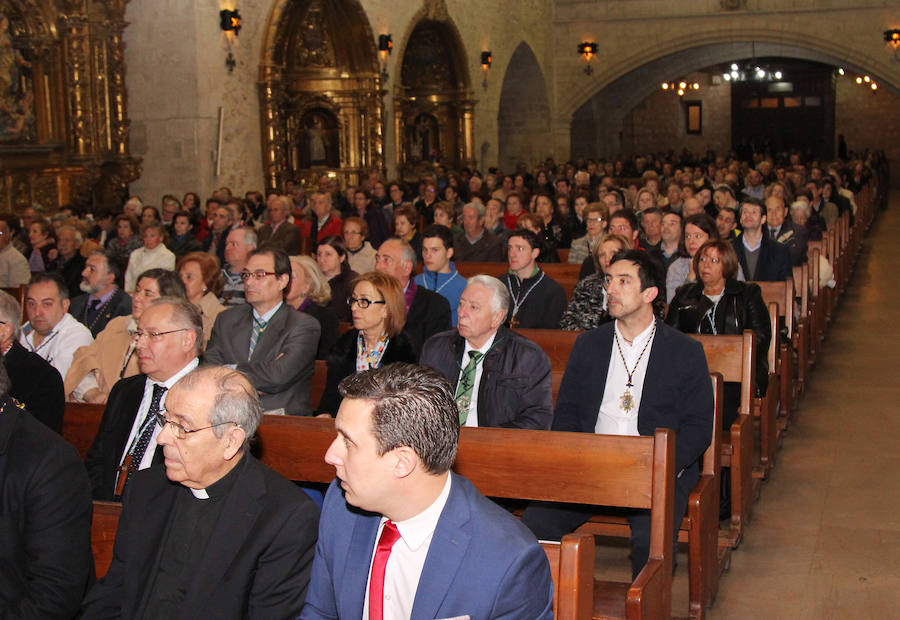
[
  {"x": 230, "y": 21},
  {"x": 385, "y": 45},
  {"x": 892, "y": 37},
  {"x": 588, "y": 49},
  {"x": 486, "y": 59}
]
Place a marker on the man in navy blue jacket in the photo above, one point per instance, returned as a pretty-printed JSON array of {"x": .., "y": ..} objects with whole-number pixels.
[{"x": 630, "y": 377}]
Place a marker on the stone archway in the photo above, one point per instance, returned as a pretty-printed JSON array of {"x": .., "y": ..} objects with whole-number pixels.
[
  {"x": 320, "y": 93},
  {"x": 523, "y": 119},
  {"x": 597, "y": 121},
  {"x": 434, "y": 103}
]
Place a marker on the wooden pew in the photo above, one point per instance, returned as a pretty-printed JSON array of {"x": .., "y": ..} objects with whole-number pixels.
[
  {"x": 707, "y": 559},
  {"x": 537, "y": 465},
  {"x": 557, "y": 344},
  {"x": 800, "y": 340},
  {"x": 734, "y": 357},
  {"x": 80, "y": 424},
  {"x": 104, "y": 523},
  {"x": 782, "y": 294}
]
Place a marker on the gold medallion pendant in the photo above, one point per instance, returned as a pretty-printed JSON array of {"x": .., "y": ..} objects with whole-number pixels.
[{"x": 627, "y": 401}]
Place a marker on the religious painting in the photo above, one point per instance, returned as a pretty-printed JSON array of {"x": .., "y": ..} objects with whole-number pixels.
[
  {"x": 17, "y": 123},
  {"x": 318, "y": 140},
  {"x": 693, "y": 117},
  {"x": 424, "y": 143}
]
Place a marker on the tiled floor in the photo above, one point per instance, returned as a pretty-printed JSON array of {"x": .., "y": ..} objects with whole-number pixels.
[{"x": 825, "y": 538}]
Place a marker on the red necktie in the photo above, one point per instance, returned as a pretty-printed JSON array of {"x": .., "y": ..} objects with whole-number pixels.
[{"x": 389, "y": 535}]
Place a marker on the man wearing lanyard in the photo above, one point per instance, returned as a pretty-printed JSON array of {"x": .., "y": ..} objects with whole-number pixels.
[
  {"x": 168, "y": 340},
  {"x": 51, "y": 331},
  {"x": 536, "y": 300},
  {"x": 440, "y": 273}
]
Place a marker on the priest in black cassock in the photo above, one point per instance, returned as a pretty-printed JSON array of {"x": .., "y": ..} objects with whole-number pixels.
[{"x": 213, "y": 533}]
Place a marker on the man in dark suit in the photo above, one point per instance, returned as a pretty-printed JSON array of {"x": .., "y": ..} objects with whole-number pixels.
[
  {"x": 266, "y": 339},
  {"x": 45, "y": 512},
  {"x": 71, "y": 262},
  {"x": 762, "y": 259},
  {"x": 167, "y": 342},
  {"x": 33, "y": 381},
  {"x": 427, "y": 312},
  {"x": 501, "y": 377},
  {"x": 102, "y": 300},
  {"x": 280, "y": 232},
  {"x": 213, "y": 533},
  {"x": 659, "y": 379},
  {"x": 398, "y": 525},
  {"x": 784, "y": 231},
  {"x": 214, "y": 243}
]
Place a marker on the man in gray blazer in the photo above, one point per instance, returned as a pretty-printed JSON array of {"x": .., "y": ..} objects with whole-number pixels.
[{"x": 266, "y": 339}]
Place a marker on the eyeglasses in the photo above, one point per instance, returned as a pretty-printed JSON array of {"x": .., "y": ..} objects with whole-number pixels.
[
  {"x": 180, "y": 431},
  {"x": 595, "y": 219},
  {"x": 154, "y": 336},
  {"x": 256, "y": 275},
  {"x": 362, "y": 302}
]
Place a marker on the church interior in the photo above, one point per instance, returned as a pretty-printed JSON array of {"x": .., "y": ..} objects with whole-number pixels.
[{"x": 103, "y": 100}]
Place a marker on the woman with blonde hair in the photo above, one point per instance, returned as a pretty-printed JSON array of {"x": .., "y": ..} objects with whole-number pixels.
[
  {"x": 378, "y": 308},
  {"x": 588, "y": 308},
  {"x": 310, "y": 293}
]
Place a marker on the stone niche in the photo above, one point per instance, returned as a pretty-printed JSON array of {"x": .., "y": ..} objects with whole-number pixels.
[
  {"x": 320, "y": 95},
  {"x": 63, "y": 126}
]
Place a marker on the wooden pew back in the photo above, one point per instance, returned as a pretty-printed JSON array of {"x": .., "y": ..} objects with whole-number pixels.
[
  {"x": 104, "y": 524},
  {"x": 734, "y": 358},
  {"x": 80, "y": 424}
]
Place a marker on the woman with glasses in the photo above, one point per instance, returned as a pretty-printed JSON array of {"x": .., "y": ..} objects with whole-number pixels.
[
  {"x": 360, "y": 253},
  {"x": 717, "y": 303},
  {"x": 331, "y": 255},
  {"x": 698, "y": 229},
  {"x": 378, "y": 308},
  {"x": 595, "y": 217},
  {"x": 96, "y": 367}
]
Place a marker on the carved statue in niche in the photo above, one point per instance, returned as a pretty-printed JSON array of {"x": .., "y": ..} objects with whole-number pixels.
[
  {"x": 424, "y": 143},
  {"x": 319, "y": 139},
  {"x": 16, "y": 95},
  {"x": 314, "y": 49}
]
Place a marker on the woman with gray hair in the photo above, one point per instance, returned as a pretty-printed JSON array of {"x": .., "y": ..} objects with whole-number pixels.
[{"x": 311, "y": 293}]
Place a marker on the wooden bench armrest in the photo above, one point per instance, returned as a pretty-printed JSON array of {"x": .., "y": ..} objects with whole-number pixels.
[{"x": 652, "y": 587}]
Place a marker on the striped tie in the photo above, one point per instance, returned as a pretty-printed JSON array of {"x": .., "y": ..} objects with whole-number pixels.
[
  {"x": 258, "y": 328},
  {"x": 466, "y": 384}
]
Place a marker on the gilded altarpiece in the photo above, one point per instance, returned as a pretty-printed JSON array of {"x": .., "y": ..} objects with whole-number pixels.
[
  {"x": 63, "y": 125},
  {"x": 434, "y": 104},
  {"x": 320, "y": 94}
]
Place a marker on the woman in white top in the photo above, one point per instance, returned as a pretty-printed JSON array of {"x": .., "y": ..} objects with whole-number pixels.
[{"x": 153, "y": 255}]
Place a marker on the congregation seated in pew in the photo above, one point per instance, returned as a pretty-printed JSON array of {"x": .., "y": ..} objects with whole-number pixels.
[
  {"x": 210, "y": 531},
  {"x": 630, "y": 377},
  {"x": 267, "y": 339},
  {"x": 501, "y": 378}
]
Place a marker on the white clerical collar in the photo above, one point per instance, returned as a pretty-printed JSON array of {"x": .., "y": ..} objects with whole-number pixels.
[
  {"x": 199, "y": 493},
  {"x": 416, "y": 530}
]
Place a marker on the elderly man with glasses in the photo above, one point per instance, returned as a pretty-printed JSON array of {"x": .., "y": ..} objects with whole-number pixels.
[
  {"x": 266, "y": 339},
  {"x": 167, "y": 343},
  {"x": 213, "y": 533}
]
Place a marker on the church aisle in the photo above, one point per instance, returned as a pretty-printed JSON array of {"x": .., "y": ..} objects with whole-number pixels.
[{"x": 824, "y": 541}]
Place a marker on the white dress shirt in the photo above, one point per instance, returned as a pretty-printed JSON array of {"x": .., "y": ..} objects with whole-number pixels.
[
  {"x": 472, "y": 417},
  {"x": 59, "y": 346},
  {"x": 612, "y": 418},
  {"x": 407, "y": 559},
  {"x": 142, "y": 413}
]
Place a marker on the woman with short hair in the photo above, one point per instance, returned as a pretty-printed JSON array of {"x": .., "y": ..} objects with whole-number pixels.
[
  {"x": 203, "y": 283},
  {"x": 379, "y": 314},
  {"x": 310, "y": 293}
]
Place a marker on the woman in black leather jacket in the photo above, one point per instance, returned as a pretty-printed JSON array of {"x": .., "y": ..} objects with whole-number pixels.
[{"x": 717, "y": 303}]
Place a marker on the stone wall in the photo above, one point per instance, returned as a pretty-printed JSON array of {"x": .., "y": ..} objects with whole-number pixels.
[
  {"x": 867, "y": 119},
  {"x": 658, "y": 124}
]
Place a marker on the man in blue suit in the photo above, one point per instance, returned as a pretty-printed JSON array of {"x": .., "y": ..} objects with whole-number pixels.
[{"x": 403, "y": 537}]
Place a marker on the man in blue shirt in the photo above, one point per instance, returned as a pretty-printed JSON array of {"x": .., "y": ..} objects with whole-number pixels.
[{"x": 440, "y": 273}]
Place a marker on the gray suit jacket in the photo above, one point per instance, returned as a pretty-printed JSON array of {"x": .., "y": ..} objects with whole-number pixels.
[{"x": 284, "y": 358}]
